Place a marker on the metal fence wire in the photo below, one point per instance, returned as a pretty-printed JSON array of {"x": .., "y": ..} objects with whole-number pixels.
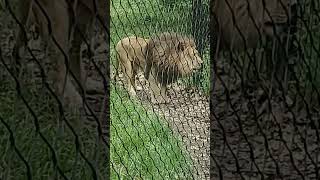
[
  {"x": 257, "y": 61},
  {"x": 265, "y": 89},
  {"x": 159, "y": 134},
  {"x": 43, "y": 135}
]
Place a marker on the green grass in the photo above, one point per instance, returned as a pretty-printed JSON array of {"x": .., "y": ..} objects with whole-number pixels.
[
  {"x": 33, "y": 148},
  {"x": 142, "y": 146}
]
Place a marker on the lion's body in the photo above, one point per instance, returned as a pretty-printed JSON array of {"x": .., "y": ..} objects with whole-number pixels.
[
  {"x": 61, "y": 20},
  {"x": 257, "y": 23},
  {"x": 131, "y": 55},
  {"x": 169, "y": 56}
]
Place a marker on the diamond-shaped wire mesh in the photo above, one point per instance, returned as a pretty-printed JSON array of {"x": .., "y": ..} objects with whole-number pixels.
[{"x": 263, "y": 89}]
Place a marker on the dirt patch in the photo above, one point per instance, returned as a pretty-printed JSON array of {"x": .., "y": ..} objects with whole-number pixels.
[{"x": 258, "y": 134}]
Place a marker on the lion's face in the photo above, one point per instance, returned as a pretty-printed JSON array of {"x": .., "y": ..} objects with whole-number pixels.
[
  {"x": 169, "y": 56},
  {"x": 189, "y": 60}
]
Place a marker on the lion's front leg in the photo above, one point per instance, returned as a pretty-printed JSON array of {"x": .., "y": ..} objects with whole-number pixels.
[
  {"x": 156, "y": 95},
  {"x": 128, "y": 74}
]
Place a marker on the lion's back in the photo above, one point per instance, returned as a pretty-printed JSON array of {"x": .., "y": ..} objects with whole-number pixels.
[{"x": 133, "y": 47}]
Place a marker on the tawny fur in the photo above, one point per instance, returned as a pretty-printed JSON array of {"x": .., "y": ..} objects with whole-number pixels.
[
  {"x": 131, "y": 55},
  {"x": 169, "y": 56}
]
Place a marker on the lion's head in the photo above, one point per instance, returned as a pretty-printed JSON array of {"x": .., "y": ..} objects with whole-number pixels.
[
  {"x": 173, "y": 56},
  {"x": 188, "y": 60}
]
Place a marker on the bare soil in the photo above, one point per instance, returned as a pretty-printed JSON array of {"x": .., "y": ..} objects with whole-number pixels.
[{"x": 256, "y": 134}]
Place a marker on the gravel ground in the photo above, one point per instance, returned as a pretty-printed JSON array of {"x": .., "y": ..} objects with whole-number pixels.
[
  {"x": 187, "y": 114},
  {"x": 256, "y": 136}
]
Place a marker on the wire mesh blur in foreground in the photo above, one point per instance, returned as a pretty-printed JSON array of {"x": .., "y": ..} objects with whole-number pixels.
[
  {"x": 265, "y": 92},
  {"x": 42, "y": 138}
]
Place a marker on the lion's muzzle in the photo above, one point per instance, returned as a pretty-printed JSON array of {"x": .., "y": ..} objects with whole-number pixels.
[{"x": 197, "y": 63}]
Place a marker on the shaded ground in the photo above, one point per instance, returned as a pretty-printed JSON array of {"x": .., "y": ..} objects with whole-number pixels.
[{"x": 255, "y": 136}]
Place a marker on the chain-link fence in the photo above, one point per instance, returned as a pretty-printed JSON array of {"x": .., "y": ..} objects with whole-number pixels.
[
  {"x": 265, "y": 92},
  {"x": 159, "y": 134},
  {"x": 47, "y": 133},
  {"x": 264, "y": 89}
]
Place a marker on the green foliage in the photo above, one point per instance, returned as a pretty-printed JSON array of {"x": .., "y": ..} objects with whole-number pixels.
[
  {"x": 2, "y": 5},
  {"x": 142, "y": 146},
  {"x": 33, "y": 148},
  {"x": 308, "y": 35},
  {"x": 12, "y": 3}
]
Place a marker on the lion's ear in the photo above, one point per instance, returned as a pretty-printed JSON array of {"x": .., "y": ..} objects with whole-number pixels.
[{"x": 181, "y": 46}]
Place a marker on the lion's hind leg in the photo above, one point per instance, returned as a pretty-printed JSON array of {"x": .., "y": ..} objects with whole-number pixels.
[
  {"x": 136, "y": 70},
  {"x": 128, "y": 72}
]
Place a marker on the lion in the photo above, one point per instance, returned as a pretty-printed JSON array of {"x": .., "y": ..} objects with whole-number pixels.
[
  {"x": 63, "y": 29},
  {"x": 131, "y": 57},
  {"x": 257, "y": 24},
  {"x": 169, "y": 57}
]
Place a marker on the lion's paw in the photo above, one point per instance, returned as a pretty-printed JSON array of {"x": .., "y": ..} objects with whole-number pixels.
[
  {"x": 139, "y": 88},
  {"x": 132, "y": 92}
]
